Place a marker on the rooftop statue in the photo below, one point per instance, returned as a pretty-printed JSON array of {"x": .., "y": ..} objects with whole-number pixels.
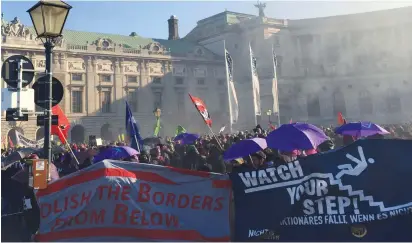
[{"x": 261, "y": 7}]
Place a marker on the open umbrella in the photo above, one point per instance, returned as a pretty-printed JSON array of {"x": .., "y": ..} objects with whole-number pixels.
[
  {"x": 289, "y": 137},
  {"x": 360, "y": 129},
  {"x": 115, "y": 153},
  {"x": 186, "y": 138},
  {"x": 244, "y": 148}
]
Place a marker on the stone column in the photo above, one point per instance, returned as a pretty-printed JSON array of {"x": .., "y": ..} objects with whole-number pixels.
[
  {"x": 118, "y": 84},
  {"x": 90, "y": 86}
]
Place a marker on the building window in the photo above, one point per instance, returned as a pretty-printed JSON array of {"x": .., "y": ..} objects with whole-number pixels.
[
  {"x": 157, "y": 100},
  {"x": 313, "y": 106},
  {"x": 77, "y": 101},
  {"x": 157, "y": 80},
  {"x": 106, "y": 101},
  {"x": 220, "y": 82},
  {"x": 133, "y": 100},
  {"x": 180, "y": 102},
  {"x": 201, "y": 81},
  {"x": 132, "y": 79},
  {"x": 77, "y": 76},
  {"x": 179, "y": 81},
  {"x": 393, "y": 102},
  {"x": 105, "y": 78}
]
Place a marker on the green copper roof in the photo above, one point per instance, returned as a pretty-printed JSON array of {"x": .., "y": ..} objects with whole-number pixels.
[
  {"x": 180, "y": 46},
  {"x": 83, "y": 38}
]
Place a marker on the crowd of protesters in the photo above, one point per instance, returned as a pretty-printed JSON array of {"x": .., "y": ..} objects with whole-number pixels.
[{"x": 204, "y": 155}]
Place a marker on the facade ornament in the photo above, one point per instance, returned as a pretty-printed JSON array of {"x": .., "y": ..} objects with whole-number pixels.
[
  {"x": 77, "y": 66},
  {"x": 108, "y": 67},
  {"x": 261, "y": 7},
  {"x": 15, "y": 29}
]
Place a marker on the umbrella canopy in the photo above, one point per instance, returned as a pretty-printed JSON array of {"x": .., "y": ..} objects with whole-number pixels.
[
  {"x": 115, "y": 153},
  {"x": 186, "y": 138},
  {"x": 360, "y": 129},
  {"x": 244, "y": 148},
  {"x": 289, "y": 137}
]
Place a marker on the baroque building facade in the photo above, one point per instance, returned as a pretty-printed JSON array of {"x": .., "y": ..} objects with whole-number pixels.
[{"x": 357, "y": 64}]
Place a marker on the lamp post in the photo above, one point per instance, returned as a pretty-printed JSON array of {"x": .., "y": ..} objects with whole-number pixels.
[
  {"x": 269, "y": 113},
  {"x": 48, "y": 19},
  {"x": 157, "y": 113}
]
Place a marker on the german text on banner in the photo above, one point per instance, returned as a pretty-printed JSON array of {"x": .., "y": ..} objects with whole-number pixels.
[
  {"x": 361, "y": 192},
  {"x": 123, "y": 201}
]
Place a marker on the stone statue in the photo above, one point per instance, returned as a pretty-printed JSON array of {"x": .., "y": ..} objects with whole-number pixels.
[
  {"x": 261, "y": 7},
  {"x": 15, "y": 28}
]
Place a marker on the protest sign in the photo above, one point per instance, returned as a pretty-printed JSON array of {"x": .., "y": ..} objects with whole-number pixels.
[
  {"x": 124, "y": 201},
  {"x": 359, "y": 192},
  {"x": 22, "y": 141}
]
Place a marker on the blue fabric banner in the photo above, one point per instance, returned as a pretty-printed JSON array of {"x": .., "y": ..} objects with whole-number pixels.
[{"x": 362, "y": 192}]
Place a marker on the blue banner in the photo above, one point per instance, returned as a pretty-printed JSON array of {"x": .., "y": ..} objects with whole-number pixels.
[{"x": 362, "y": 192}]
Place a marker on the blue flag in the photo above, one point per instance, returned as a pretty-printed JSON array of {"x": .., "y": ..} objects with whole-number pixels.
[
  {"x": 361, "y": 192},
  {"x": 133, "y": 130}
]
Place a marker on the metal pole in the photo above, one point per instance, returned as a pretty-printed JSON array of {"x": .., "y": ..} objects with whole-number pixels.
[{"x": 48, "y": 45}]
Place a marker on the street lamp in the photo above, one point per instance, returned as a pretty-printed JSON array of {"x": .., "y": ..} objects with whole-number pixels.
[
  {"x": 157, "y": 113},
  {"x": 48, "y": 19},
  {"x": 269, "y": 113}
]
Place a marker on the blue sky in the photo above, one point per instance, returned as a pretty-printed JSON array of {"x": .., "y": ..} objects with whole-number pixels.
[{"x": 149, "y": 18}]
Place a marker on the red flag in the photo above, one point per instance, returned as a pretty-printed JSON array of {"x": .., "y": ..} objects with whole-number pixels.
[
  {"x": 63, "y": 126},
  {"x": 341, "y": 119},
  {"x": 201, "y": 107}
]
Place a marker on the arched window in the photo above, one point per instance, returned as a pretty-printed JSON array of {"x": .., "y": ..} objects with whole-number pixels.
[
  {"x": 313, "y": 106},
  {"x": 12, "y": 136},
  {"x": 40, "y": 133},
  {"x": 365, "y": 103},
  {"x": 393, "y": 102},
  {"x": 339, "y": 104},
  {"x": 106, "y": 133},
  {"x": 77, "y": 134}
]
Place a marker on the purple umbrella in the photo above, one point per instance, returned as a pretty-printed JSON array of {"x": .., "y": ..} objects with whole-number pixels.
[
  {"x": 186, "y": 138},
  {"x": 289, "y": 137},
  {"x": 244, "y": 148},
  {"x": 115, "y": 153},
  {"x": 360, "y": 129}
]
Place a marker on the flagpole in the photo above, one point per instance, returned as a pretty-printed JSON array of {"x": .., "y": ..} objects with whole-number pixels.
[
  {"x": 67, "y": 144},
  {"x": 276, "y": 80},
  {"x": 228, "y": 88}
]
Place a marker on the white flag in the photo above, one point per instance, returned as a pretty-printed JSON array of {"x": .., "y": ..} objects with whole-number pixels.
[
  {"x": 255, "y": 82},
  {"x": 233, "y": 103},
  {"x": 275, "y": 84},
  {"x": 222, "y": 129}
]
